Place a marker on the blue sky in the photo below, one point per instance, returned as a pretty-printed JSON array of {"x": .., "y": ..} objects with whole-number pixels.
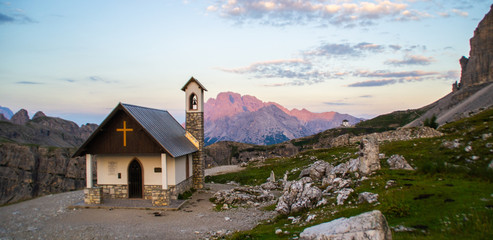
[{"x": 78, "y": 59}]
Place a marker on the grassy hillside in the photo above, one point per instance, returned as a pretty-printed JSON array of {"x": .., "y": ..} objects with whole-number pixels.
[
  {"x": 393, "y": 120},
  {"x": 449, "y": 196}
]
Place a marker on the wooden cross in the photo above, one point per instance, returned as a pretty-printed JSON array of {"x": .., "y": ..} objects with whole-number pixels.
[{"x": 124, "y": 130}]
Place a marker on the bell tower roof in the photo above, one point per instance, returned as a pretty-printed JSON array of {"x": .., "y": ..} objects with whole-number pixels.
[{"x": 192, "y": 79}]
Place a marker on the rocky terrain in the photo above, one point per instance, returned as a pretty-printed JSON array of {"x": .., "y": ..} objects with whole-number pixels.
[
  {"x": 32, "y": 171},
  {"x": 232, "y": 117}
]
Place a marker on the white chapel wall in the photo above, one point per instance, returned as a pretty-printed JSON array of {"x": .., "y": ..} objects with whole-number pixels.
[
  {"x": 171, "y": 170},
  {"x": 108, "y": 167},
  {"x": 180, "y": 164}
]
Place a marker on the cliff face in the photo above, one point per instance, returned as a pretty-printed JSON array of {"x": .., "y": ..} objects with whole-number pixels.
[
  {"x": 28, "y": 171},
  {"x": 478, "y": 68}
]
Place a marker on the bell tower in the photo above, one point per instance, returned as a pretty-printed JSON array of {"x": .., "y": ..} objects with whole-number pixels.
[{"x": 194, "y": 108}]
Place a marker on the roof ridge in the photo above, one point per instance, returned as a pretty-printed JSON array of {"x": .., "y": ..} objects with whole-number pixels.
[{"x": 131, "y": 105}]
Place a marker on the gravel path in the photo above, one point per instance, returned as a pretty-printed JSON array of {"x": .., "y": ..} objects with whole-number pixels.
[
  {"x": 48, "y": 218},
  {"x": 222, "y": 170}
]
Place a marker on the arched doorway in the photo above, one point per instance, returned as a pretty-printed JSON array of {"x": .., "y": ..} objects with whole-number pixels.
[{"x": 134, "y": 179}]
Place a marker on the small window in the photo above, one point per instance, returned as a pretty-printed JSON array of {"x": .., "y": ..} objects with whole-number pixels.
[{"x": 158, "y": 169}]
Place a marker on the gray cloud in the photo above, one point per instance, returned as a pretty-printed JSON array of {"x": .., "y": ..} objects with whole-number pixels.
[
  {"x": 100, "y": 79},
  {"x": 388, "y": 74},
  {"x": 410, "y": 60},
  {"x": 373, "y": 83},
  {"x": 344, "y": 49},
  {"x": 28, "y": 82},
  {"x": 337, "y": 103},
  {"x": 6, "y": 19},
  {"x": 15, "y": 18}
]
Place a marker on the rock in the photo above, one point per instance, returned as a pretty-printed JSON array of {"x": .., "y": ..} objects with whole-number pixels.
[
  {"x": 298, "y": 195},
  {"x": 317, "y": 170},
  {"x": 343, "y": 194},
  {"x": 400, "y": 228},
  {"x": 490, "y": 166},
  {"x": 485, "y": 136},
  {"x": 242, "y": 195},
  {"x": 20, "y": 118},
  {"x": 477, "y": 68},
  {"x": 368, "y": 159},
  {"x": 398, "y": 162},
  {"x": 39, "y": 114},
  {"x": 278, "y": 231},
  {"x": 272, "y": 177},
  {"x": 451, "y": 144},
  {"x": 367, "y": 197},
  {"x": 390, "y": 183},
  {"x": 322, "y": 202},
  {"x": 468, "y": 148},
  {"x": 269, "y": 186},
  {"x": 370, "y": 225},
  {"x": 310, "y": 217}
]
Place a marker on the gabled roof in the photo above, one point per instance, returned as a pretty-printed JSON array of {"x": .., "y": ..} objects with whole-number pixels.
[
  {"x": 160, "y": 126},
  {"x": 193, "y": 80}
]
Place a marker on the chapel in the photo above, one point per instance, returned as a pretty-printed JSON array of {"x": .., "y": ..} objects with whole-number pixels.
[{"x": 144, "y": 153}]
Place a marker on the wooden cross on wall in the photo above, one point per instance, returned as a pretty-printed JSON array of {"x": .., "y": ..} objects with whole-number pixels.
[{"x": 124, "y": 130}]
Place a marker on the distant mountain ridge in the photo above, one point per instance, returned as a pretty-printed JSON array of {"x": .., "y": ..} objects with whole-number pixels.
[
  {"x": 43, "y": 130},
  {"x": 233, "y": 117}
]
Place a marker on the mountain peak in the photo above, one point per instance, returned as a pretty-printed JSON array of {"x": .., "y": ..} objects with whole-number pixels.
[
  {"x": 21, "y": 117},
  {"x": 233, "y": 117}
]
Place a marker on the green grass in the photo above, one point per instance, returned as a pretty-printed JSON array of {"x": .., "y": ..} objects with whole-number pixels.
[{"x": 449, "y": 196}]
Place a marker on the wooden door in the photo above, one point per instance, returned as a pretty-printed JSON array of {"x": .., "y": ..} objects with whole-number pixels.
[{"x": 135, "y": 179}]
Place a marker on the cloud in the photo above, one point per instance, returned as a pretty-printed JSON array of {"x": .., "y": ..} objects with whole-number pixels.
[
  {"x": 300, "y": 71},
  {"x": 373, "y": 83},
  {"x": 388, "y": 74},
  {"x": 460, "y": 13},
  {"x": 100, "y": 79},
  {"x": 344, "y": 49},
  {"x": 15, "y": 18},
  {"x": 337, "y": 103},
  {"x": 284, "y": 12},
  {"x": 395, "y": 47},
  {"x": 366, "y": 96},
  {"x": 6, "y": 19},
  {"x": 28, "y": 82},
  {"x": 410, "y": 60}
]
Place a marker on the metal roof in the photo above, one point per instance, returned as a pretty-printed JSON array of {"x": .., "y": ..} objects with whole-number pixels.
[{"x": 163, "y": 128}]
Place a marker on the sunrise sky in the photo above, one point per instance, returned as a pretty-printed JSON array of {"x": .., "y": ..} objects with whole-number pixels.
[{"x": 78, "y": 59}]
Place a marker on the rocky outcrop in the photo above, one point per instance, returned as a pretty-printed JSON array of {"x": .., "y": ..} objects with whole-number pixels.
[
  {"x": 39, "y": 114},
  {"x": 21, "y": 117},
  {"x": 370, "y": 225},
  {"x": 29, "y": 171},
  {"x": 368, "y": 158},
  {"x": 241, "y": 196},
  {"x": 398, "y": 162},
  {"x": 475, "y": 90},
  {"x": 298, "y": 195},
  {"x": 478, "y": 68}
]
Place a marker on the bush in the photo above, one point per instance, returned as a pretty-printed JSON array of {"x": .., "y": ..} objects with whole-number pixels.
[{"x": 431, "y": 122}]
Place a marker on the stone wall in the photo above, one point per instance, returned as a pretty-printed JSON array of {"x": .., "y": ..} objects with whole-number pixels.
[
  {"x": 195, "y": 125},
  {"x": 93, "y": 195},
  {"x": 182, "y": 187},
  {"x": 114, "y": 191},
  {"x": 160, "y": 197},
  {"x": 148, "y": 190}
]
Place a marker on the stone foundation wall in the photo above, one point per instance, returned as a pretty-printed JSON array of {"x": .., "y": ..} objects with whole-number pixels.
[
  {"x": 93, "y": 195},
  {"x": 160, "y": 197},
  {"x": 114, "y": 191},
  {"x": 148, "y": 191}
]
